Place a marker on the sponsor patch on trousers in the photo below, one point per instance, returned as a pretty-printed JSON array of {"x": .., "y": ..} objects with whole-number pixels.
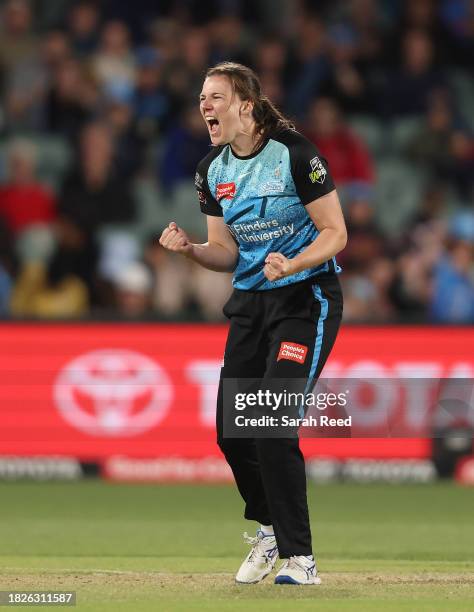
[{"x": 292, "y": 352}]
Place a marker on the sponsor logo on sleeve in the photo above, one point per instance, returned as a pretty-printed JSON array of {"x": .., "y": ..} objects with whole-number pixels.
[
  {"x": 198, "y": 180},
  {"x": 292, "y": 352},
  {"x": 318, "y": 171},
  {"x": 225, "y": 191},
  {"x": 202, "y": 197}
]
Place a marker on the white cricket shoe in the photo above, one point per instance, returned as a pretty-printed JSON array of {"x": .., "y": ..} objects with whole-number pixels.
[
  {"x": 298, "y": 570},
  {"x": 261, "y": 559}
]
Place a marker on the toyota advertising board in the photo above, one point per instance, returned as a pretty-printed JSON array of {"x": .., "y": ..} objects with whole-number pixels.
[{"x": 148, "y": 390}]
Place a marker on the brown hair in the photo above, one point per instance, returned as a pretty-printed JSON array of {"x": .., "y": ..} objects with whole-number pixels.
[{"x": 247, "y": 85}]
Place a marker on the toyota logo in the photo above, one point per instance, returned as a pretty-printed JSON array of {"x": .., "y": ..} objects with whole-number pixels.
[{"x": 113, "y": 392}]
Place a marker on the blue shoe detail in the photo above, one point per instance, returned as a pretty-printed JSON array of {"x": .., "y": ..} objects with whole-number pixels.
[{"x": 286, "y": 580}]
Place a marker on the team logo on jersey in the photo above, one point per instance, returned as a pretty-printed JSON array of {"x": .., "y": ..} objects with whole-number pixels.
[
  {"x": 318, "y": 171},
  {"x": 292, "y": 352},
  {"x": 225, "y": 191}
]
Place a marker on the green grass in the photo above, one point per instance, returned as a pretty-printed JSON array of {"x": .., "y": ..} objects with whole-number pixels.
[{"x": 134, "y": 547}]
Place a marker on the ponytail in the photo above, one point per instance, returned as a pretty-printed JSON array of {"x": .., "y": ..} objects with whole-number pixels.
[
  {"x": 268, "y": 118},
  {"x": 246, "y": 84}
]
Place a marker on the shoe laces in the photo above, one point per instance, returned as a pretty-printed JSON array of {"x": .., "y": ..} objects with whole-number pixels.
[
  {"x": 252, "y": 540},
  {"x": 294, "y": 563},
  {"x": 256, "y": 542}
]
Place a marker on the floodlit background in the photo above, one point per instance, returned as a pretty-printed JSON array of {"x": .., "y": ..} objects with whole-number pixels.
[{"x": 110, "y": 347}]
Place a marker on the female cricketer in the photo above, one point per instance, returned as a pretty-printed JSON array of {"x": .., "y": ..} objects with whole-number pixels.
[{"x": 275, "y": 221}]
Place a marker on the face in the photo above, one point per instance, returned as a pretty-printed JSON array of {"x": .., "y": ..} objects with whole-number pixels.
[
  {"x": 84, "y": 19},
  {"x": 96, "y": 149},
  {"x": 21, "y": 168},
  {"x": 115, "y": 38},
  {"x": 17, "y": 16},
  {"x": 222, "y": 109},
  {"x": 324, "y": 117},
  {"x": 418, "y": 51}
]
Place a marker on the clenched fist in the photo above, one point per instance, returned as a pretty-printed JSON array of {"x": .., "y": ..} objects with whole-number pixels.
[
  {"x": 277, "y": 266},
  {"x": 175, "y": 239}
]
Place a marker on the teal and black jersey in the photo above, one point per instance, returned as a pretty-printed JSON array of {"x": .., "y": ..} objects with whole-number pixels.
[{"x": 262, "y": 198}]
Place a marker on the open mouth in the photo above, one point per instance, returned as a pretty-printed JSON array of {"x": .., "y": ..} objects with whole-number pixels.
[{"x": 213, "y": 125}]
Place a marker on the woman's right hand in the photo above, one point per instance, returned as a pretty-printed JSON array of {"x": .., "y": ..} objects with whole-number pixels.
[{"x": 175, "y": 239}]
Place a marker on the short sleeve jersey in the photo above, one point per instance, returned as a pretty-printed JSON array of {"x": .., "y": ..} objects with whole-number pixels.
[{"x": 262, "y": 198}]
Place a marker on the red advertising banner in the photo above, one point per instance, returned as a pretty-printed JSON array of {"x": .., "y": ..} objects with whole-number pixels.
[{"x": 96, "y": 391}]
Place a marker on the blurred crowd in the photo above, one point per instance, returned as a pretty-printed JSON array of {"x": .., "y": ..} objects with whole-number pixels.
[{"x": 100, "y": 134}]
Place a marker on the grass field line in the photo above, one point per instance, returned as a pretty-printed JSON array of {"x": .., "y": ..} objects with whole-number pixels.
[{"x": 329, "y": 578}]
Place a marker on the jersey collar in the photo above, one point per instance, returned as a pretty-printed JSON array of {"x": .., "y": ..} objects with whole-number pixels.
[{"x": 254, "y": 154}]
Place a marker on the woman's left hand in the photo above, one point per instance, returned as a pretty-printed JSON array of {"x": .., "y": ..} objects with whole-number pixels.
[{"x": 277, "y": 266}]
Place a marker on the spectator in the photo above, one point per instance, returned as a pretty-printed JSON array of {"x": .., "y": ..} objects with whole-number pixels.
[
  {"x": 418, "y": 251},
  {"x": 114, "y": 62},
  {"x": 24, "y": 201},
  {"x": 171, "y": 280},
  {"x": 129, "y": 145},
  {"x": 62, "y": 288},
  {"x": 270, "y": 56},
  {"x": 410, "y": 289},
  {"x": 366, "y": 293},
  {"x": 118, "y": 250},
  {"x": 230, "y": 40},
  {"x": 183, "y": 76},
  {"x": 129, "y": 112},
  {"x": 83, "y": 25},
  {"x": 444, "y": 146},
  {"x": 453, "y": 283},
  {"x": 133, "y": 291},
  {"x": 422, "y": 15},
  {"x": 186, "y": 144},
  {"x": 368, "y": 269},
  {"x": 351, "y": 165},
  {"x": 55, "y": 49},
  {"x": 70, "y": 101},
  {"x": 30, "y": 81},
  {"x": 365, "y": 24},
  {"x": 271, "y": 64},
  {"x": 165, "y": 37},
  {"x": 431, "y": 210},
  {"x": 17, "y": 42},
  {"x": 7, "y": 268},
  {"x": 429, "y": 144},
  {"x": 93, "y": 195},
  {"x": 408, "y": 89},
  {"x": 355, "y": 46},
  {"x": 310, "y": 66},
  {"x": 457, "y": 17},
  {"x": 209, "y": 293},
  {"x": 94, "y": 199},
  {"x": 150, "y": 101},
  {"x": 50, "y": 14},
  {"x": 20, "y": 63},
  {"x": 367, "y": 243},
  {"x": 5, "y": 290}
]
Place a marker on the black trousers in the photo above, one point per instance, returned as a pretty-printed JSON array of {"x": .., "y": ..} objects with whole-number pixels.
[{"x": 270, "y": 473}]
